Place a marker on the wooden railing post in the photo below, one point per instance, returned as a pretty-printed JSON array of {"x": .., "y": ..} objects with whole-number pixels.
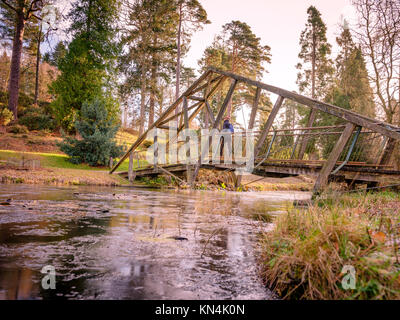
[{"x": 326, "y": 170}]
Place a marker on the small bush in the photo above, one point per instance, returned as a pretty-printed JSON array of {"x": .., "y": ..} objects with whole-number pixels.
[
  {"x": 37, "y": 121},
  {"x": 98, "y": 132},
  {"x": 17, "y": 128},
  {"x": 3, "y": 97},
  {"x": 24, "y": 100},
  {"x": 6, "y": 116}
]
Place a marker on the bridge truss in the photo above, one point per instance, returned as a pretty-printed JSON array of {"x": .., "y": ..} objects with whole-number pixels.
[{"x": 360, "y": 146}]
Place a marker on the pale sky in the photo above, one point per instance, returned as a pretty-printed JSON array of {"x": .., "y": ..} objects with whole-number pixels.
[{"x": 278, "y": 23}]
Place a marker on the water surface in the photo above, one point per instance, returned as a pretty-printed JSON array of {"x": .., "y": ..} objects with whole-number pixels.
[{"x": 126, "y": 243}]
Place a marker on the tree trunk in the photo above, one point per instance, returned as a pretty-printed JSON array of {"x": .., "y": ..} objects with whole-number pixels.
[
  {"x": 152, "y": 95},
  {"x": 125, "y": 125},
  {"x": 206, "y": 119},
  {"x": 142, "y": 100},
  {"x": 153, "y": 84},
  {"x": 38, "y": 66},
  {"x": 233, "y": 70},
  {"x": 313, "y": 111},
  {"x": 313, "y": 67},
  {"x": 16, "y": 62},
  {"x": 178, "y": 58}
]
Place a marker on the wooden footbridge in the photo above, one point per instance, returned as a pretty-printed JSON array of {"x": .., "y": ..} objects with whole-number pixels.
[{"x": 356, "y": 150}]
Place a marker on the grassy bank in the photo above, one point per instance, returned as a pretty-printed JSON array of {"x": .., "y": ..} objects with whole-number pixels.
[
  {"x": 54, "y": 169},
  {"x": 57, "y": 176},
  {"x": 53, "y": 160},
  {"x": 303, "y": 257}
]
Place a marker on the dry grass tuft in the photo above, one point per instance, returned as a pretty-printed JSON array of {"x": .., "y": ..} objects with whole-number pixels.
[{"x": 304, "y": 255}]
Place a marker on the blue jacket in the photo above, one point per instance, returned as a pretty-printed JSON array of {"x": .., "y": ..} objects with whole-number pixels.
[{"x": 228, "y": 126}]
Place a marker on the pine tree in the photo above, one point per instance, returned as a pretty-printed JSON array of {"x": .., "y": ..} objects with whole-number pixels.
[
  {"x": 98, "y": 131},
  {"x": 21, "y": 12},
  {"x": 4, "y": 70},
  {"x": 350, "y": 90},
  {"x": 237, "y": 49},
  {"x": 54, "y": 57},
  {"x": 191, "y": 18},
  {"x": 87, "y": 69},
  {"x": 316, "y": 67},
  {"x": 149, "y": 41}
]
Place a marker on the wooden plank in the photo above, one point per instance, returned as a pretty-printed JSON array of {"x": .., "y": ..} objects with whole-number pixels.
[
  {"x": 326, "y": 170},
  {"x": 210, "y": 112},
  {"x": 268, "y": 125},
  {"x": 207, "y": 115},
  {"x": 196, "y": 98},
  {"x": 171, "y": 174},
  {"x": 178, "y": 114},
  {"x": 192, "y": 116},
  {"x": 210, "y": 94},
  {"x": 225, "y": 104},
  {"x": 254, "y": 108},
  {"x": 165, "y": 114},
  {"x": 217, "y": 78},
  {"x": 363, "y": 121},
  {"x": 167, "y": 127}
]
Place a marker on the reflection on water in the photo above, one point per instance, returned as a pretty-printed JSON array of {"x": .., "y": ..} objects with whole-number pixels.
[{"x": 120, "y": 243}]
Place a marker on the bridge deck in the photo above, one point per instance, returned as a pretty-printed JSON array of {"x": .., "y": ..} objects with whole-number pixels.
[{"x": 357, "y": 172}]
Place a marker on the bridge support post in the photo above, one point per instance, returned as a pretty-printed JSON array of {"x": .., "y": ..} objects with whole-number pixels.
[
  {"x": 155, "y": 151},
  {"x": 186, "y": 124},
  {"x": 268, "y": 125},
  {"x": 326, "y": 170},
  {"x": 238, "y": 178},
  {"x": 130, "y": 168},
  {"x": 387, "y": 152}
]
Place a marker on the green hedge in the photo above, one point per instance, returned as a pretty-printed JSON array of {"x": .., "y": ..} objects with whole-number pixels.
[{"x": 37, "y": 121}]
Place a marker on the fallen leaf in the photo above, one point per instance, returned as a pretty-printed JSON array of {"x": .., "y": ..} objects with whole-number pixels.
[{"x": 379, "y": 237}]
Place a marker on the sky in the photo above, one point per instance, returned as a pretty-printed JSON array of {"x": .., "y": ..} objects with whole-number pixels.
[{"x": 278, "y": 23}]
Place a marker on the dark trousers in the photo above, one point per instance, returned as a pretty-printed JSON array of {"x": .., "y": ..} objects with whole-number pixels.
[{"x": 228, "y": 141}]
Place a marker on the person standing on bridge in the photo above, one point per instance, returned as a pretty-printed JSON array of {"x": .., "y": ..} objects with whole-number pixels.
[{"x": 227, "y": 131}]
